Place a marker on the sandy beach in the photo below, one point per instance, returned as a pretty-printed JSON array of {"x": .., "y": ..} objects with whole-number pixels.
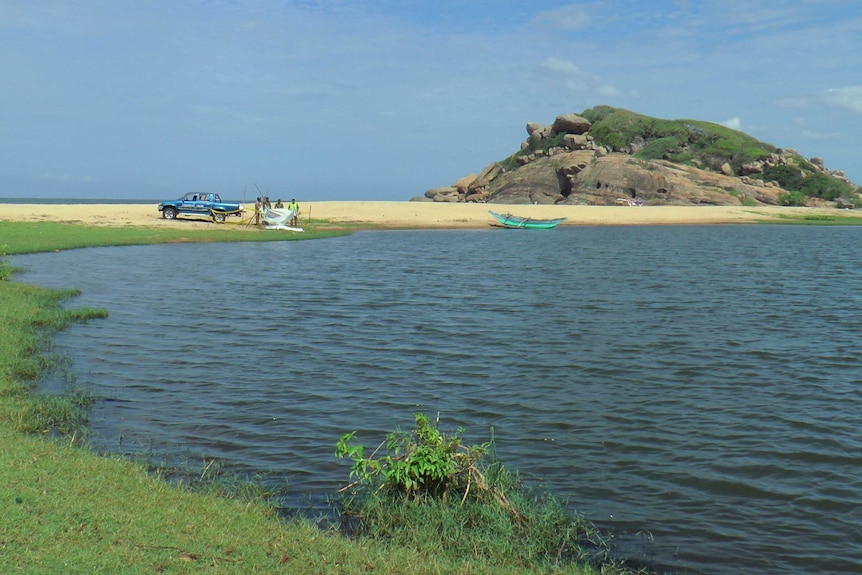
[{"x": 423, "y": 214}]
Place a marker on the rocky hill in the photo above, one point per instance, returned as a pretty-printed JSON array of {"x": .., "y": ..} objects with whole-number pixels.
[{"x": 608, "y": 156}]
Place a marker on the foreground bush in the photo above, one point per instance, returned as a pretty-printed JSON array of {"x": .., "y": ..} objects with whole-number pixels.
[{"x": 429, "y": 491}]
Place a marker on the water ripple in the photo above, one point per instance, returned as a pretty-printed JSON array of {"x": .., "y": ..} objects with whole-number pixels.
[{"x": 699, "y": 384}]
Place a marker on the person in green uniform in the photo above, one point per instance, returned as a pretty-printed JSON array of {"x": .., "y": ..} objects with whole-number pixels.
[{"x": 295, "y": 208}]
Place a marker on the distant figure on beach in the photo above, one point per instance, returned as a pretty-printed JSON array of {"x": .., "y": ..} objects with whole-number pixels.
[
  {"x": 266, "y": 203},
  {"x": 258, "y": 208},
  {"x": 293, "y": 206},
  {"x": 278, "y": 204}
]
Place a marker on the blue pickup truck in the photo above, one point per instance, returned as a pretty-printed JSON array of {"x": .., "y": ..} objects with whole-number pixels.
[{"x": 200, "y": 204}]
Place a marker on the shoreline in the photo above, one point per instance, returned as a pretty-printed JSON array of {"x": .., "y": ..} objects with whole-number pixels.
[{"x": 390, "y": 214}]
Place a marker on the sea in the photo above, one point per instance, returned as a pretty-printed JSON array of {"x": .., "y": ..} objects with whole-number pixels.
[
  {"x": 26, "y": 200},
  {"x": 695, "y": 390}
]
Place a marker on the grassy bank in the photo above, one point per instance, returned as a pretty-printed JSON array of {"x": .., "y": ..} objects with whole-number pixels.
[
  {"x": 25, "y": 237},
  {"x": 67, "y": 510},
  {"x": 838, "y": 219}
]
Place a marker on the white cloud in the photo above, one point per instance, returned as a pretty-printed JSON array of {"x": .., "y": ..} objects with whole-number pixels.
[
  {"x": 849, "y": 97},
  {"x": 734, "y": 124},
  {"x": 577, "y": 81},
  {"x": 572, "y": 17}
]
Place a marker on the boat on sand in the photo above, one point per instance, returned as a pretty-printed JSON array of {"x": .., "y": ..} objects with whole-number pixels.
[{"x": 510, "y": 221}]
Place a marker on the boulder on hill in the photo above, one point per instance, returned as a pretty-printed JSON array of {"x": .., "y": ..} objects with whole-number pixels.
[{"x": 571, "y": 124}]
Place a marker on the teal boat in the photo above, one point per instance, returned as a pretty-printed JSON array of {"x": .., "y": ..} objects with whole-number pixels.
[{"x": 510, "y": 221}]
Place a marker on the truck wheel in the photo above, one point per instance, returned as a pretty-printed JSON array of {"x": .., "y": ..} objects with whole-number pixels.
[
  {"x": 218, "y": 217},
  {"x": 169, "y": 213}
]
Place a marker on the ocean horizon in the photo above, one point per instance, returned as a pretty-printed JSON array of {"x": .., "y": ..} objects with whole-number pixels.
[{"x": 77, "y": 201}]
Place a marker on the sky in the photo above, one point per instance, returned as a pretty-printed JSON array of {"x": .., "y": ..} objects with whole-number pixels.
[{"x": 385, "y": 99}]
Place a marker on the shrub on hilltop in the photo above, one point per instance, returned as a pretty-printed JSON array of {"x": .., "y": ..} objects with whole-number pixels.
[{"x": 691, "y": 142}]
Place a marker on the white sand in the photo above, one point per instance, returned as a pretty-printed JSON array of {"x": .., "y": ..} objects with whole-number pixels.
[{"x": 423, "y": 214}]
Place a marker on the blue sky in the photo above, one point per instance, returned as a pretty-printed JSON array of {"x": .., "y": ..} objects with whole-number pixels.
[{"x": 384, "y": 99}]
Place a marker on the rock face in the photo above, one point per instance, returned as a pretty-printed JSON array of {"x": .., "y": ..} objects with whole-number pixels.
[
  {"x": 580, "y": 178},
  {"x": 567, "y": 167}
]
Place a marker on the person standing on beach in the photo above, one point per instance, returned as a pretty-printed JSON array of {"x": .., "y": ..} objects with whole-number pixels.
[
  {"x": 293, "y": 206},
  {"x": 258, "y": 208}
]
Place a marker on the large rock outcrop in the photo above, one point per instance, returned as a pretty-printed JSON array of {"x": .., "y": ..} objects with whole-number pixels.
[{"x": 561, "y": 163}]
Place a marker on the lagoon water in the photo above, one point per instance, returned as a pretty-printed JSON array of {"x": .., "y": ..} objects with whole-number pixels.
[{"x": 698, "y": 386}]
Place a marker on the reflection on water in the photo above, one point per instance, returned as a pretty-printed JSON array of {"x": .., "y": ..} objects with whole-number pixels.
[{"x": 701, "y": 383}]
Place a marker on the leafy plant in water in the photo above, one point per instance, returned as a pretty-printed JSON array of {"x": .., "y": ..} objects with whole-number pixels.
[
  {"x": 424, "y": 461},
  {"x": 493, "y": 520}
]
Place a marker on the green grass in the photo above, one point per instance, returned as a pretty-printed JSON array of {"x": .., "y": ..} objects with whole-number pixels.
[
  {"x": 64, "y": 509},
  {"x": 819, "y": 220},
  {"x": 65, "y": 415},
  {"x": 802, "y": 218},
  {"x": 68, "y": 511},
  {"x": 25, "y": 237},
  {"x": 524, "y": 529}
]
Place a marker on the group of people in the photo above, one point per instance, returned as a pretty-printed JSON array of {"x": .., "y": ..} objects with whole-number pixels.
[{"x": 261, "y": 205}]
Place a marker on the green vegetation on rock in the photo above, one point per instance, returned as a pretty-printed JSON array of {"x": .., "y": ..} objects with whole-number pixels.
[
  {"x": 690, "y": 142},
  {"x": 806, "y": 183}
]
